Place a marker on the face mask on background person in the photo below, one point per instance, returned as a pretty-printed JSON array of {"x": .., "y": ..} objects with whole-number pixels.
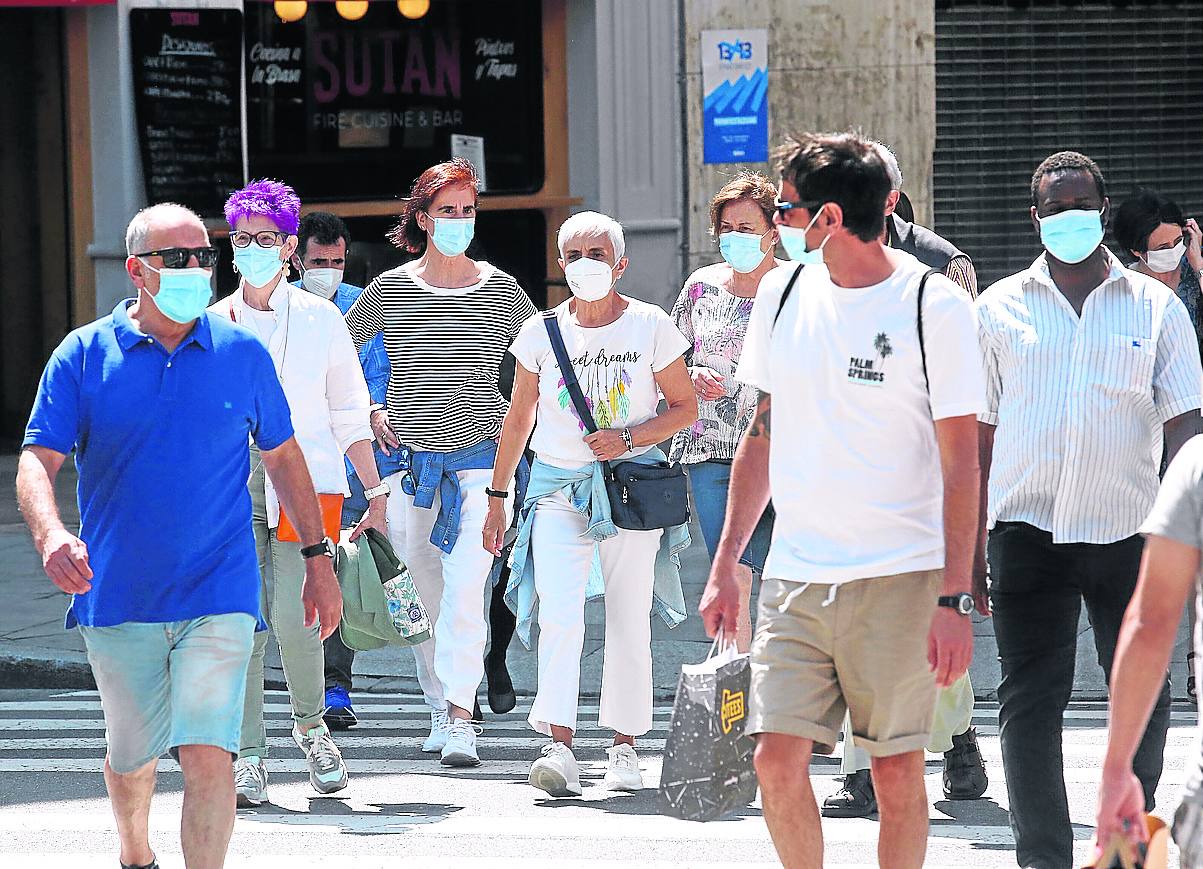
[
  {"x": 452, "y": 235},
  {"x": 742, "y": 250},
  {"x": 183, "y": 293},
  {"x": 1073, "y": 235},
  {"x": 258, "y": 265},
  {"x": 321, "y": 282},
  {"x": 589, "y": 279},
  {"x": 794, "y": 242},
  {"x": 1164, "y": 261}
]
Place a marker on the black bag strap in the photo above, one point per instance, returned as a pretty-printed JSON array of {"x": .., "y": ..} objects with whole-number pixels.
[
  {"x": 567, "y": 371},
  {"x": 919, "y": 325},
  {"x": 788, "y": 289}
]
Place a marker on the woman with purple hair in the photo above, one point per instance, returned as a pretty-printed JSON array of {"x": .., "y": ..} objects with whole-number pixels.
[{"x": 322, "y": 379}]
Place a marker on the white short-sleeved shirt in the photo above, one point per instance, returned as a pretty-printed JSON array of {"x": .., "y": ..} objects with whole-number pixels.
[
  {"x": 854, "y": 467},
  {"x": 616, "y": 366},
  {"x": 1079, "y": 401}
]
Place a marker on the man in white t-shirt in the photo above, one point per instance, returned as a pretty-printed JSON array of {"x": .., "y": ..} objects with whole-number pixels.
[{"x": 865, "y": 602}]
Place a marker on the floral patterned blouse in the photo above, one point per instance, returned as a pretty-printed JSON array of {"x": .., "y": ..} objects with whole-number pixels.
[
  {"x": 1188, "y": 291},
  {"x": 715, "y": 322}
]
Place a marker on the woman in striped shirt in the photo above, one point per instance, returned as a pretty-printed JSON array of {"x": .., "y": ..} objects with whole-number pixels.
[{"x": 447, "y": 322}]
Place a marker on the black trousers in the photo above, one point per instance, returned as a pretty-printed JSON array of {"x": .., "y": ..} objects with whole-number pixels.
[{"x": 1037, "y": 589}]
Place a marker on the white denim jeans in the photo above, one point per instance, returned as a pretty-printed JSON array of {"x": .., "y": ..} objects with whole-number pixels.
[
  {"x": 452, "y": 586},
  {"x": 562, "y": 556}
]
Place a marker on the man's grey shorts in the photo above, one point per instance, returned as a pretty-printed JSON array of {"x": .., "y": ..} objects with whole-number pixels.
[{"x": 163, "y": 685}]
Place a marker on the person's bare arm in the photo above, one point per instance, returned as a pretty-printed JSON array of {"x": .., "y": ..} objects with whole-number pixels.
[
  {"x": 515, "y": 432},
  {"x": 364, "y": 463},
  {"x": 64, "y": 556},
  {"x": 985, "y": 454},
  {"x": 1146, "y": 639},
  {"x": 747, "y": 498},
  {"x": 1179, "y": 430},
  {"x": 682, "y": 411},
  {"x": 294, "y": 487},
  {"x": 950, "y": 642}
]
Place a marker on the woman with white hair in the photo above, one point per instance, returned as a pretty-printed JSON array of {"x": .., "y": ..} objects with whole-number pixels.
[{"x": 625, "y": 354}]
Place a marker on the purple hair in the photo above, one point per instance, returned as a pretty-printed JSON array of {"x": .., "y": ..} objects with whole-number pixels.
[{"x": 274, "y": 200}]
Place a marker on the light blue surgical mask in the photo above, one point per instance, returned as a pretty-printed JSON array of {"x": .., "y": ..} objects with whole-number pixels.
[
  {"x": 1072, "y": 235},
  {"x": 258, "y": 265},
  {"x": 742, "y": 250},
  {"x": 794, "y": 242},
  {"x": 183, "y": 293},
  {"x": 452, "y": 235}
]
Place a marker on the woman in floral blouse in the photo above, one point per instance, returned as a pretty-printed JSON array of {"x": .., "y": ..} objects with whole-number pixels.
[{"x": 712, "y": 312}]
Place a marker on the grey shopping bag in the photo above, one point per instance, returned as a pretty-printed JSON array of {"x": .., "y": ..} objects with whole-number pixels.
[{"x": 707, "y": 770}]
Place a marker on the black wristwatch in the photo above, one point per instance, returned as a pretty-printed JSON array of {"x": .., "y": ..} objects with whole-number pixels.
[
  {"x": 326, "y": 547},
  {"x": 962, "y": 603},
  {"x": 496, "y": 493}
]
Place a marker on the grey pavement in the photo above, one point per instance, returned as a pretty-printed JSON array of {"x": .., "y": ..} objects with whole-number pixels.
[
  {"x": 402, "y": 809},
  {"x": 35, "y": 651}
]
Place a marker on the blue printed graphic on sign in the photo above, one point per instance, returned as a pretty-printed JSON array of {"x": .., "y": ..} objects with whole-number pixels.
[{"x": 735, "y": 107}]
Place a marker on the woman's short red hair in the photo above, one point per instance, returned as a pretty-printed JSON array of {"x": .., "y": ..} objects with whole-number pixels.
[{"x": 456, "y": 172}]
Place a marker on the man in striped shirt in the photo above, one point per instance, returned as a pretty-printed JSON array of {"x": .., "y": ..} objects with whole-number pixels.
[{"x": 1088, "y": 367}]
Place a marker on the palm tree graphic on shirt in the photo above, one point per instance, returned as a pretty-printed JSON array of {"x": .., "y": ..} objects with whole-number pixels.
[{"x": 881, "y": 343}]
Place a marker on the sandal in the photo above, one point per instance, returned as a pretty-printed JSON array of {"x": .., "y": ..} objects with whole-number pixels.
[{"x": 1190, "y": 676}]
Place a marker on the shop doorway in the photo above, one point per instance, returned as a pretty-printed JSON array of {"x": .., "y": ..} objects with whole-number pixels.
[{"x": 35, "y": 244}]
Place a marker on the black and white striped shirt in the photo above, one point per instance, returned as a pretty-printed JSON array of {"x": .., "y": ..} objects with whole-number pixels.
[
  {"x": 445, "y": 348},
  {"x": 1079, "y": 402}
]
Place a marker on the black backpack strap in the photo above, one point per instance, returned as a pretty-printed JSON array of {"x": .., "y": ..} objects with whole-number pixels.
[
  {"x": 919, "y": 323},
  {"x": 785, "y": 295},
  {"x": 567, "y": 371}
]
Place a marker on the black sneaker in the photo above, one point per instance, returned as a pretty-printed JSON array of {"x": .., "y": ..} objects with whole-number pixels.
[
  {"x": 856, "y": 799},
  {"x": 964, "y": 771}
]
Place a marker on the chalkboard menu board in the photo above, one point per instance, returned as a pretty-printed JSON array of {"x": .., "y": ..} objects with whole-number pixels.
[
  {"x": 346, "y": 110},
  {"x": 188, "y": 99}
]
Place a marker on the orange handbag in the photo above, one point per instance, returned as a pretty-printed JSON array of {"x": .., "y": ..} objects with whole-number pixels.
[{"x": 332, "y": 517}]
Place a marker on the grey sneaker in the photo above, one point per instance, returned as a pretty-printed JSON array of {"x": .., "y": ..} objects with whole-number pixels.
[
  {"x": 440, "y": 729},
  {"x": 327, "y": 772},
  {"x": 556, "y": 771},
  {"x": 460, "y": 749},
  {"x": 250, "y": 782}
]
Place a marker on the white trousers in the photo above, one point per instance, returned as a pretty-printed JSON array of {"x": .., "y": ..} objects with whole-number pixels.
[
  {"x": 562, "y": 558},
  {"x": 452, "y": 585}
]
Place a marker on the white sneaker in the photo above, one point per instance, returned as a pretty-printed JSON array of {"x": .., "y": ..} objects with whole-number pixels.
[
  {"x": 460, "y": 749},
  {"x": 622, "y": 771},
  {"x": 556, "y": 771},
  {"x": 327, "y": 772},
  {"x": 440, "y": 729},
  {"x": 250, "y": 782}
]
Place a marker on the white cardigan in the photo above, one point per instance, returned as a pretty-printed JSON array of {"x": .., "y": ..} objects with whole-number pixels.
[{"x": 322, "y": 379}]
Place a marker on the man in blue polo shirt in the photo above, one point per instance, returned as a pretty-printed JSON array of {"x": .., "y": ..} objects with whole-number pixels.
[{"x": 160, "y": 400}]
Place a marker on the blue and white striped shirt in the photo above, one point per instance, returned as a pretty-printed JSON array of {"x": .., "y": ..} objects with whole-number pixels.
[{"x": 1079, "y": 402}]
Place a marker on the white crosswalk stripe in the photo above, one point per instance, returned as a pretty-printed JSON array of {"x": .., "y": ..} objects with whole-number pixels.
[{"x": 63, "y": 735}]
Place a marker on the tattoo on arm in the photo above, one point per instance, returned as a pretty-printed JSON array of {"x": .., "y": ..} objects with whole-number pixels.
[{"x": 762, "y": 424}]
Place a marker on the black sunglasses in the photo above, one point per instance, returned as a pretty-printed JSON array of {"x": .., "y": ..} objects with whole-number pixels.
[
  {"x": 783, "y": 207},
  {"x": 177, "y": 257}
]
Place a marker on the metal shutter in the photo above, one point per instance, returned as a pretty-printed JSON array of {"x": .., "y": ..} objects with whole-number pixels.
[{"x": 1123, "y": 84}]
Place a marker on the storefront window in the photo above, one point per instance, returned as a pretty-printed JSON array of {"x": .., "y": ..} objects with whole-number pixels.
[{"x": 354, "y": 110}]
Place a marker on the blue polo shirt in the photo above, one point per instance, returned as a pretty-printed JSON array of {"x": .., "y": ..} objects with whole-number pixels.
[{"x": 161, "y": 444}]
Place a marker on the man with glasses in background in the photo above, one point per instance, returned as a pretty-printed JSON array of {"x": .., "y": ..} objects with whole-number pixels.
[{"x": 159, "y": 401}]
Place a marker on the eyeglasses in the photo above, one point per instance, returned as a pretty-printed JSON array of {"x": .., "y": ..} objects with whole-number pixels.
[
  {"x": 266, "y": 238},
  {"x": 783, "y": 207},
  {"x": 177, "y": 257}
]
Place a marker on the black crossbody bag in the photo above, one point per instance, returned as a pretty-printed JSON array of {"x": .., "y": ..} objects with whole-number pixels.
[{"x": 642, "y": 497}]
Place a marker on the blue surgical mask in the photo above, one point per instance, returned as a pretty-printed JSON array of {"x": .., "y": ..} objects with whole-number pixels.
[
  {"x": 183, "y": 293},
  {"x": 1073, "y": 235},
  {"x": 452, "y": 235},
  {"x": 258, "y": 265},
  {"x": 794, "y": 242},
  {"x": 742, "y": 250}
]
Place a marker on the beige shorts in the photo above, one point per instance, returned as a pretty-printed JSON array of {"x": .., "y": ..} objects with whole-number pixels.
[{"x": 864, "y": 651}]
